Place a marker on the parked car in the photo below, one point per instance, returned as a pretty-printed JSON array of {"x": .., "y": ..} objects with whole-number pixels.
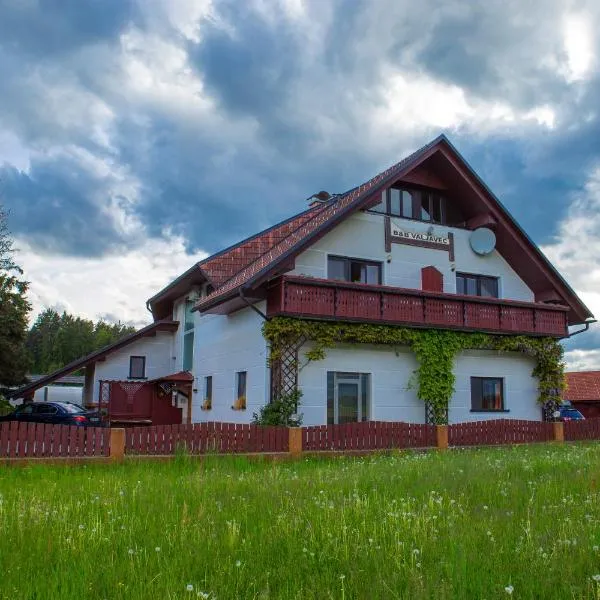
[
  {"x": 60, "y": 413},
  {"x": 569, "y": 413}
]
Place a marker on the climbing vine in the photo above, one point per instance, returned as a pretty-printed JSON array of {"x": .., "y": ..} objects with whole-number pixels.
[{"x": 435, "y": 350}]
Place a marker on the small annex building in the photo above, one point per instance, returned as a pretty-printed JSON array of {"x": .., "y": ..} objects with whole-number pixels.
[
  {"x": 424, "y": 245},
  {"x": 583, "y": 392}
]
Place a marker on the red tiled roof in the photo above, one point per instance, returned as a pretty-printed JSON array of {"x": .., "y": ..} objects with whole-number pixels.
[
  {"x": 224, "y": 265},
  {"x": 179, "y": 377},
  {"x": 582, "y": 386},
  {"x": 317, "y": 218}
]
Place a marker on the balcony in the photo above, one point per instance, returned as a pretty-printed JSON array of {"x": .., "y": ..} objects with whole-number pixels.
[{"x": 325, "y": 299}]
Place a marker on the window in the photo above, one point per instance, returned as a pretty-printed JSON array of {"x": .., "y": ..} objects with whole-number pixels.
[
  {"x": 24, "y": 409},
  {"x": 347, "y": 397},
  {"x": 45, "y": 409},
  {"x": 241, "y": 377},
  {"x": 476, "y": 285},
  {"x": 487, "y": 394},
  {"x": 208, "y": 388},
  {"x": 188, "y": 337},
  {"x": 422, "y": 205},
  {"x": 354, "y": 270},
  {"x": 137, "y": 367}
]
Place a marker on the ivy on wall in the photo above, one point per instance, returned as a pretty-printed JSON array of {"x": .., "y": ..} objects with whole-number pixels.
[{"x": 435, "y": 350}]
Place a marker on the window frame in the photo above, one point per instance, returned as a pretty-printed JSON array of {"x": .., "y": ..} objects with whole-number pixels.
[
  {"x": 478, "y": 278},
  {"x": 363, "y": 382},
  {"x": 432, "y": 196},
  {"x": 208, "y": 388},
  {"x": 238, "y": 381},
  {"x": 131, "y": 359},
  {"x": 478, "y": 389},
  {"x": 348, "y": 260}
]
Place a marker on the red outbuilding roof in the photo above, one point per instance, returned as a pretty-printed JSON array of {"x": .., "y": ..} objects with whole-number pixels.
[{"x": 583, "y": 386}]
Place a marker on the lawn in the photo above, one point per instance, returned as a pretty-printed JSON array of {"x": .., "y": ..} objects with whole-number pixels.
[{"x": 493, "y": 523}]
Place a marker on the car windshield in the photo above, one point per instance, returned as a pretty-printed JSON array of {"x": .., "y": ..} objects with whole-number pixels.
[
  {"x": 70, "y": 407},
  {"x": 573, "y": 413}
]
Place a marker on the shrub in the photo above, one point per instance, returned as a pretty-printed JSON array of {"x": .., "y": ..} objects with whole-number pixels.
[{"x": 282, "y": 411}]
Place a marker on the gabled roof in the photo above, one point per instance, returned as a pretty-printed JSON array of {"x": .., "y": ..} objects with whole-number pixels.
[
  {"x": 582, "y": 386},
  {"x": 222, "y": 266},
  {"x": 75, "y": 365},
  {"x": 524, "y": 253}
]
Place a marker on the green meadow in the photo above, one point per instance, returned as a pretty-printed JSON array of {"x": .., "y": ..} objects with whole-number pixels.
[{"x": 520, "y": 522}]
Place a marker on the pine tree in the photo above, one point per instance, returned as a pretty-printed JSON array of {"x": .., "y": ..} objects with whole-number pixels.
[{"x": 14, "y": 311}]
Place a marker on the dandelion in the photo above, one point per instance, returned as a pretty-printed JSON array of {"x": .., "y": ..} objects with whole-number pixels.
[
  {"x": 203, "y": 595},
  {"x": 131, "y": 551},
  {"x": 416, "y": 551},
  {"x": 485, "y": 507},
  {"x": 342, "y": 577},
  {"x": 189, "y": 587},
  {"x": 238, "y": 563},
  {"x": 509, "y": 589},
  {"x": 157, "y": 549}
]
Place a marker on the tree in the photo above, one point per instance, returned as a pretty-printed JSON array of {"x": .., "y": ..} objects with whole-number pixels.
[
  {"x": 14, "y": 311},
  {"x": 56, "y": 339}
]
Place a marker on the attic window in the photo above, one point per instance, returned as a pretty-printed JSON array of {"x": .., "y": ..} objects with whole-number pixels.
[{"x": 420, "y": 205}]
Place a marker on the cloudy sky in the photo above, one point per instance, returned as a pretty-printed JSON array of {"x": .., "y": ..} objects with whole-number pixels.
[{"x": 138, "y": 136}]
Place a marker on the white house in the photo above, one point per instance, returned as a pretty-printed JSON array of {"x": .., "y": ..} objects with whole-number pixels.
[{"x": 425, "y": 245}]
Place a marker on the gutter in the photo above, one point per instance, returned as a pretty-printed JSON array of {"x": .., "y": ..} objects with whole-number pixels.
[{"x": 586, "y": 327}]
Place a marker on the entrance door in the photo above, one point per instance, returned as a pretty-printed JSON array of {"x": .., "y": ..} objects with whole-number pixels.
[{"x": 347, "y": 397}]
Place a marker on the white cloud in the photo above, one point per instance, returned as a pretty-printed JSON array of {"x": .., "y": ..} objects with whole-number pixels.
[
  {"x": 582, "y": 360},
  {"x": 578, "y": 44},
  {"x": 118, "y": 284}
]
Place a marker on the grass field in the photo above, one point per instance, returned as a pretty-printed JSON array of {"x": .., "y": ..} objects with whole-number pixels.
[{"x": 494, "y": 523}]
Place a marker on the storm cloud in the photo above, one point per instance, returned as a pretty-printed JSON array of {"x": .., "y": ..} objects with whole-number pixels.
[{"x": 204, "y": 121}]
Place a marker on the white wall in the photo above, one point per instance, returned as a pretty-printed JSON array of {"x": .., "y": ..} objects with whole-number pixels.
[
  {"x": 520, "y": 387},
  {"x": 59, "y": 393},
  {"x": 390, "y": 400},
  {"x": 225, "y": 344},
  {"x": 391, "y": 373},
  {"x": 363, "y": 236},
  {"x": 158, "y": 351}
]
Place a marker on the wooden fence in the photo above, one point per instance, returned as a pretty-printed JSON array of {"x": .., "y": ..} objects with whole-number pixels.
[
  {"x": 499, "y": 431},
  {"x": 199, "y": 438},
  {"x": 588, "y": 429},
  {"x": 39, "y": 440},
  {"x": 369, "y": 435},
  {"x": 36, "y": 440}
]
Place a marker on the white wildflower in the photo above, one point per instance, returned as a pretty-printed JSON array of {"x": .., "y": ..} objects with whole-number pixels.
[
  {"x": 189, "y": 587},
  {"x": 157, "y": 549},
  {"x": 238, "y": 563},
  {"x": 509, "y": 589},
  {"x": 596, "y": 578}
]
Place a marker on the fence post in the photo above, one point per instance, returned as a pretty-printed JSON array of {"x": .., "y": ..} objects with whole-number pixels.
[
  {"x": 441, "y": 436},
  {"x": 559, "y": 431},
  {"x": 295, "y": 441},
  {"x": 117, "y": 444}
]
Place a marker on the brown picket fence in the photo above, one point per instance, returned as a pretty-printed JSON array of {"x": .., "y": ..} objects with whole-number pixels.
[
  {"x": 43, "y": 440},
  {"x": 200, "y": 438},
  {"x": 369, "y": 435},
  {"x": 588, "y": 429},
  {"x": 499, "y": 431}
]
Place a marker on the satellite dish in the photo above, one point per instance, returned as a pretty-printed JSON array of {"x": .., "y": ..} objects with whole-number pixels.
[{"x": 482, "y": 240}]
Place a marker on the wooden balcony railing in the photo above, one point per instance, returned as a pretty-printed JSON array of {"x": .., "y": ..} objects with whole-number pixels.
[{"x": 326, "y": 299}]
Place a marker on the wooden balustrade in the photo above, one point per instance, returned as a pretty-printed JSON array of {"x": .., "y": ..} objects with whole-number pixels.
[{"x": 326, "y": 299}]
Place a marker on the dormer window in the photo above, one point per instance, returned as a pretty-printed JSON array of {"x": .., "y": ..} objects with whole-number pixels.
[{"x": 421, "y": 205}]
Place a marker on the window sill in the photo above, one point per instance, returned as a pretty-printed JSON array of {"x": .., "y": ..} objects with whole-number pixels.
[{"x": 490, "y": 411}]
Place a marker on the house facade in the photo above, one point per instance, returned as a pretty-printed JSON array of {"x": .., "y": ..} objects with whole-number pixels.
[{"x": 422, "y": 247}]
